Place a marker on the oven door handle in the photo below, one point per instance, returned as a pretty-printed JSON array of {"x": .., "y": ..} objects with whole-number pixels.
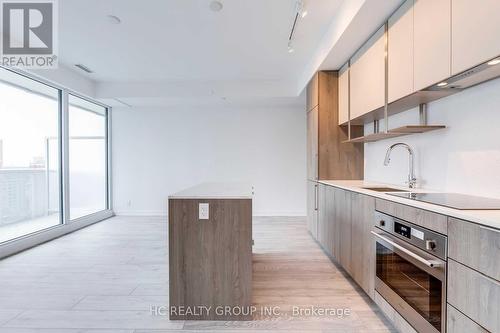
[{"x": 430, "y": 263}]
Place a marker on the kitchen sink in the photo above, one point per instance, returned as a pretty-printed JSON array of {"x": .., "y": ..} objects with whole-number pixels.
[{"x": 384, "y": 189}]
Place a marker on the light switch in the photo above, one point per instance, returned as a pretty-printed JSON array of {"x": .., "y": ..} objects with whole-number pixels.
[{"x": 203, "y": 211}]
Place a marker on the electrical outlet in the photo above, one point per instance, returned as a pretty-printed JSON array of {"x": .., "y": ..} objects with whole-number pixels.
[{"x": 203, "y": 211}]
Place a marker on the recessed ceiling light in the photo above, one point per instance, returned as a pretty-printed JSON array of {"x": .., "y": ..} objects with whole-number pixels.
[
  {"x": 442, "y": 84},
  {"x": 216, "y": 6},
  {"x": 494, "y": 62},
  {"x": 113, "y": 19}
]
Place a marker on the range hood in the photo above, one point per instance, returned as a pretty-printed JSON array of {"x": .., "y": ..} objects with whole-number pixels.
[{"x": 474, "y": 76}]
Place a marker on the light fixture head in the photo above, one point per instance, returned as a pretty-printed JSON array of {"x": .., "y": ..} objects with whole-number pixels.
[
  {"x": 290, "y": 47},
  {"x": 113, "y": 19},
  {"x": 216, "y": 6},
  {"x": 300, "y": 8},
  {"x": 442, "y": 84},
  {"x": 494, "y": 62}
]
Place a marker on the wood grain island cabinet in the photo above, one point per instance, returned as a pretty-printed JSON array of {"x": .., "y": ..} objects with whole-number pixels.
[{"x": 210, "y": 259}]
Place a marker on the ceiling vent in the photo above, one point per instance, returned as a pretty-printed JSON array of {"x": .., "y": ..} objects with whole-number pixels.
[{"x": 84, "y": 68}]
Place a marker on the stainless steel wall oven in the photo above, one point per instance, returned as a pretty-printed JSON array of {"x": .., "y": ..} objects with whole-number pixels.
[{"x": 411, "y": 271}]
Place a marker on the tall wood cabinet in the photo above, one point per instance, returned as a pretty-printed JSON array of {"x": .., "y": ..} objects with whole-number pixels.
[
  {"x": 328, "y": 158},
  {"x": 312, "y": 144}
]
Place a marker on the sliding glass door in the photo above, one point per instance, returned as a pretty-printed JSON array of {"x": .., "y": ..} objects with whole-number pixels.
[
  {"x": 30, "y": 198},
  {"x": 87, "y": 157},
  {"x": 53, "y": 157}
]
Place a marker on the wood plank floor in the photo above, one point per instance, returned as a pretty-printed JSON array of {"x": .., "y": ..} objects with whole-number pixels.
[{"x": 106, "y": 278}]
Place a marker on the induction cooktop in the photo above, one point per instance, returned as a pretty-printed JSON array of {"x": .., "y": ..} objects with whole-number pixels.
[{"x": 453, "y": 200}]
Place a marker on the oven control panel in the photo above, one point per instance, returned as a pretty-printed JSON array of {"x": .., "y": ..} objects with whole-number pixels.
[
  {"x": 402, "y": 230},
  {"x": 425, "y": 239}
]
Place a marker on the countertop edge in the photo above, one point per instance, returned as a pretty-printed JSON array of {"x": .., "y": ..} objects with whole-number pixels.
[
  {"x": 210, "y": 197},
  {"x": 215, "y": 191},
  {"x": 467, "y": 215}
]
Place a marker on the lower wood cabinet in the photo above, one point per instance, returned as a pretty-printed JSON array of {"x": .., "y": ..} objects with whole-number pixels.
[
  {"x": 341, "y": 221},
  {"x": 344, "y": 222},
  {"x": 326, "y": 221},
  {"x": 312, "y": 208},
  {"x": 343, "y": 227},
  {"x": 474, "y": 294},
  {"x": 322, "y": 216},
  {"x": 475, "y": 246},
  {"x": 457, "y": 322},
  {"x": 362, "y": 242}
]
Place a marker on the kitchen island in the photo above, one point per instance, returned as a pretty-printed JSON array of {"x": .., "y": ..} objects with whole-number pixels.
[{"x": 210, "y": 252}]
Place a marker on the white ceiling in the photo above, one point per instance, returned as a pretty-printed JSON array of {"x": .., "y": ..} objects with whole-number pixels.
[
  {"x": 182, "y": 40},
  {"x": 167, "y": 52}
]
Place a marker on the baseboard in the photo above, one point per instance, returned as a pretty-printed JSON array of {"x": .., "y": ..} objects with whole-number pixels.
[
  {"x": 141, "y": 213},
  {"x": 280, "y": 214}
]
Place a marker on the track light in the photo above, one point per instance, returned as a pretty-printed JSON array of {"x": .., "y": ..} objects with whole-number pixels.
[
  {"x": 300, "y": 13},
  {"x": 300, "y": 8}
]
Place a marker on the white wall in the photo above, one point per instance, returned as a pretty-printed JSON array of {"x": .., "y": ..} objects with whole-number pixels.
[
  {"x": 464, "y": 158},
  {"x": 157, "y": 152}
]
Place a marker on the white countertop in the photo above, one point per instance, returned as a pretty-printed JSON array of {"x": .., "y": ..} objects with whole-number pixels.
[
  {"x": 216, "y": 191},
  {"x": 488, "y": 218}
]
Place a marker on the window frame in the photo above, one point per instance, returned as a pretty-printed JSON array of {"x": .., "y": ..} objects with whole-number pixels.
[{"x": 63, "y": 154}]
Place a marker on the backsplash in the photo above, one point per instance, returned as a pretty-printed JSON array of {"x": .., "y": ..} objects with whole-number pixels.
[{"x": 463, "y": 158}]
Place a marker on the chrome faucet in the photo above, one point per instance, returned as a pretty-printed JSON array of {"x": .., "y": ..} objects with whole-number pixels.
[{"x": 412, "y": 181}]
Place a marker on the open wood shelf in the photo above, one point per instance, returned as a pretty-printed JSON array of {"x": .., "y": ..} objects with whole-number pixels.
[
  {"x": 412, "y": 129},
  {"x": 396, "y": 132}
]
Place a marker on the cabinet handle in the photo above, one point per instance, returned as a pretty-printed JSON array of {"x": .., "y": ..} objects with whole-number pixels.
[{"x": 316, "y": 197}]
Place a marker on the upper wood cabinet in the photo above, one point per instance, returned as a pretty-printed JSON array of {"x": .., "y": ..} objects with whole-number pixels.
[
  {"x": 432, "y": 45},
  {"x": 367, "y": 73},
  {"x": 312, "y": 93},
  {"x": 474, "y": 27},
  {"x": 400, "y": 52},
  {"x": 344, "y": 94}
]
